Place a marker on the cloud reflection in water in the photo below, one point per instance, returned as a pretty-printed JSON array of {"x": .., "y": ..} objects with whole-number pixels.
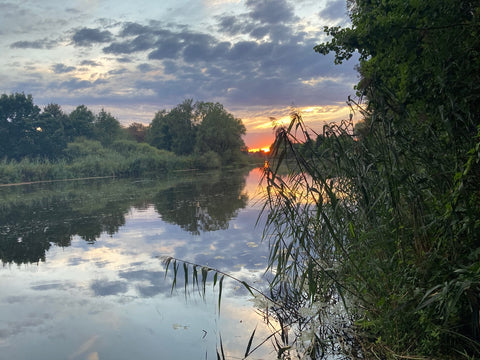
[{"x": 113, "y": 288}]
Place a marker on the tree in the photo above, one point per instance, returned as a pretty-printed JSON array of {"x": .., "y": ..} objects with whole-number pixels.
[
  {"x": 18, "y": 117},
  {"x": 106, "y": 128},
  {"x": 80, "y": 123},
  {"x": 418, "y": 60},
  {"x": 219, "y": 131},
  {"x": 137, "y": 131},
  {"x": 174, "y": 130},
  {"x": 50, "y": 135}
]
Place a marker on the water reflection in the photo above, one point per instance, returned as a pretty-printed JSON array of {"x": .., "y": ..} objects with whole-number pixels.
[
  {"x": 91, "y": 284},
  {"x": 34, "y": 217},
  {"x": 202, "y": 205}
]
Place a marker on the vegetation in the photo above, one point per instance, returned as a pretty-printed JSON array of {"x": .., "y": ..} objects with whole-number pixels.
[
  {"x": 376, "y": 228},
  {"x": 49, "y": 144}
]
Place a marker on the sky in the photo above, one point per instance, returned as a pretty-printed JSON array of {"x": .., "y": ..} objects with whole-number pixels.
[{"x": 138, "y": 57}]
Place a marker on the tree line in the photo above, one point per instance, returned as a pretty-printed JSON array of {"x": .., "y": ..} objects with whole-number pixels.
[{"x": 201, "y": 134}]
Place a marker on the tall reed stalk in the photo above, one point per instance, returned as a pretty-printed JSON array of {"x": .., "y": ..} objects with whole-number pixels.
[{"x": 371, "y": 222}]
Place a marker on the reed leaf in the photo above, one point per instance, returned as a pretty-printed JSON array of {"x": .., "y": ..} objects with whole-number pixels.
[{"x": 249, "y": 345}]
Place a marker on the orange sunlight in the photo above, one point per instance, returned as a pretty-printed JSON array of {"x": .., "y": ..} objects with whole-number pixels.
[{"x": 265, "y": 149}]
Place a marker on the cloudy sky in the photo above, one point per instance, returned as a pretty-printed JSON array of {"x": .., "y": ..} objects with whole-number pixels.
[{"x": 135, "y": 58}]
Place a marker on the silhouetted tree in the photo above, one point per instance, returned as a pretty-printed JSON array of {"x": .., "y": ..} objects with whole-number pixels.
[
  {"x": 18, "y": 125},
  {"x": 173, "y": 130},
  {"x": 137, "y": 131},
  {"x": 106, "y": 128},
  {"x": 219, "y": 131},
  {"x": 80, "y": 123}
]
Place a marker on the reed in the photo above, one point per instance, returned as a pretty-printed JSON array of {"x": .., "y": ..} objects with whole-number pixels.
[{"x": 369, "y": 223}]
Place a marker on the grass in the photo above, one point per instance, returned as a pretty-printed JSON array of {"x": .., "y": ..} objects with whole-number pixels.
[
  {"x": 87, "y": 158},
  {"x": 370, "y": 223}
]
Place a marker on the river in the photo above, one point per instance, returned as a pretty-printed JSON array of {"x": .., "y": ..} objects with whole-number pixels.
[{"x": 82, "y": 274}]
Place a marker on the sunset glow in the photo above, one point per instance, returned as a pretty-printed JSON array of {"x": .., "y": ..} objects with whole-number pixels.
[
  {"x": 263, "y": 149},
  {"x": 233, "y": 52}
]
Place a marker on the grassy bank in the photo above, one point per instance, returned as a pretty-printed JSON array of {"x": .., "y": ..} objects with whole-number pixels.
[{"x": 123, "y": 158}]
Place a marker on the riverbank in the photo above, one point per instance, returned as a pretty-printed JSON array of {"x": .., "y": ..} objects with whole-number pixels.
[{"x": 125, "y": 159}]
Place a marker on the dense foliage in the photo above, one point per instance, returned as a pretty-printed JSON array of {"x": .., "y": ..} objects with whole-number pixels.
[
  {"x": 49, "y": 144},
  {"x": 384, "y": 218},
  {"x": 200, "y": 128}
]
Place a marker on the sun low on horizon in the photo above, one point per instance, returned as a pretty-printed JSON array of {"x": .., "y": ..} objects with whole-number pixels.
[{"x": 265, "y": 150}]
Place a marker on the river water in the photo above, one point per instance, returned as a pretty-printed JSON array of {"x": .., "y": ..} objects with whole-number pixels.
[{"x": 82, "y": 274}]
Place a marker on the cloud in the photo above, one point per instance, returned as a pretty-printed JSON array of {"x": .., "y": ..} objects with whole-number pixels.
[
  {"x": 260, "y": 32},
  {"x": 140, "y": 43},
  {"x": 132, "y": 29},
  {"x": 106, "y": 287},
  {"x": 117, "y": 71},
  {"x": 147, "y": 283},
  {"x": 76, "y": 84},
  {"x": 89, "y": 36},
  {"x": 37, "y": 44},
  {"x": 232, "y": 25},
  {"x": 259, "y": 56},
  {"x": 271, "y": 11},
  {"x": 51, "y": 286},
  {"x": 89, "y": 63},
  {"x": 62, "y": 68},
  {"x": 334, "y": 10},
  {"x": 124, "y": 60},
  {"x": 144, "y": 67}
]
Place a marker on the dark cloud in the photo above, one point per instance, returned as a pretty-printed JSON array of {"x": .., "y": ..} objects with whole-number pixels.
[
  {"x": 105, "y": 287},
  {"x": 117, "y": 71},
  {"x": 133, "y": 29},
  {"x": 77, "y": 84},
  {"x": 334, "y": 10},
  {"x": 140, "y": 43},
  {"x": 124, "y": 60},
  {"x": 90, "y": 63},
  {"x": 260, "y": 32},
  {"x": 170, "y": 67},
  {"x": 271, "y": 11},
  {"x": 232, "y": 25},
  {"x": 145, "y": 67},
  {"x": 28, "y": 45},
  {"x": 88, "y": 36},
  {"x": 62, "y": 68},
  {"x": 36, "y": 44},
  {"x": 166, "y": 48},
  {"x": 51, "y": 286}
]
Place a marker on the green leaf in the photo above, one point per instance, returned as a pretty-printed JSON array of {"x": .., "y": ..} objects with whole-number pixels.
[
  {"x": 204, "y": 278},
  {"x": 247, "y": 352},
  {"x": 185, "y": 269},
  {"x": 220, "y": 288}
]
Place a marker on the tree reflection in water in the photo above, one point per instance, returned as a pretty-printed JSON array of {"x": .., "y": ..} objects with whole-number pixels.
[
  {"x": 205, "y": 205},
  {"x": 33, "y": 217}
]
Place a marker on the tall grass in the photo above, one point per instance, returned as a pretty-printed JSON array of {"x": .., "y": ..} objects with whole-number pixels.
[
  {"x": 88, "y": 158},
  {"x": 373, "y": 224}
]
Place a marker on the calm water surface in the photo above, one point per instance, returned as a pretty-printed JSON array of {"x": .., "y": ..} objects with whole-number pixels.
[{"x": 82, "y": 276}]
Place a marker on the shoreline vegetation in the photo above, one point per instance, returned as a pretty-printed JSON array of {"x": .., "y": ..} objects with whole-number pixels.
[
  {"x": 41, "y": 145},
  {"x": 375, "y": 231}
]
